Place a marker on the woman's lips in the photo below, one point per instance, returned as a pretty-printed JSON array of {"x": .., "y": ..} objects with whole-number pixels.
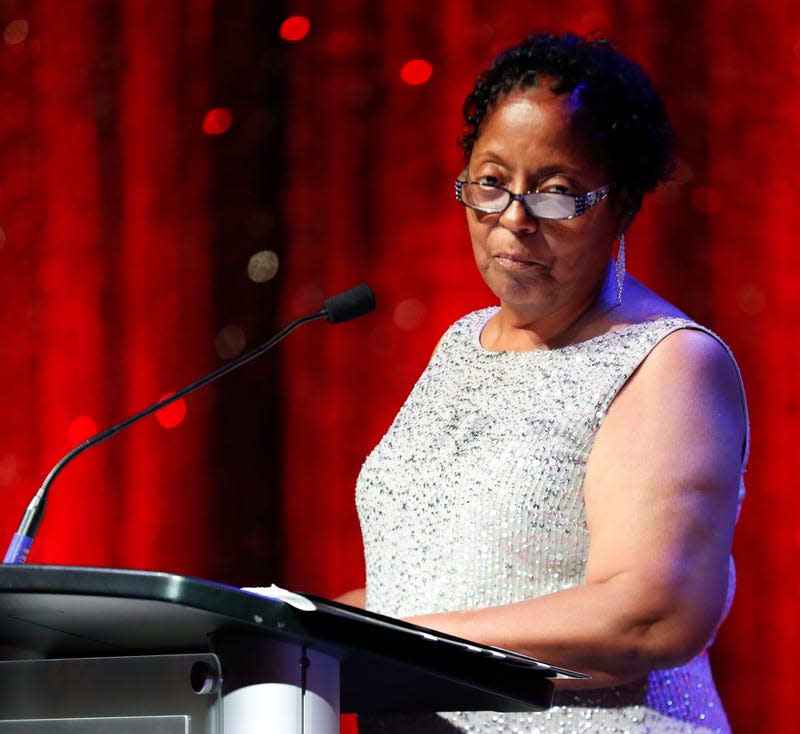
[{"x": 516, "y": 262}]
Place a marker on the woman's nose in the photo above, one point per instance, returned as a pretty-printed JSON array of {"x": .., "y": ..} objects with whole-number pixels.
[{"x": 518, "y": 219}]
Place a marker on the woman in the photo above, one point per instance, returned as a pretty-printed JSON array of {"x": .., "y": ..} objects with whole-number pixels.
[{"x": 565, "y": 477}]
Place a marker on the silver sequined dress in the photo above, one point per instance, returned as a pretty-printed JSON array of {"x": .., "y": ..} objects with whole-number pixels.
[{"x": 473, "y": 498}]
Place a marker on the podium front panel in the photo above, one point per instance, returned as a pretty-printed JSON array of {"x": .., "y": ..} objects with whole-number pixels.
[{"x": 159, "y": 694}]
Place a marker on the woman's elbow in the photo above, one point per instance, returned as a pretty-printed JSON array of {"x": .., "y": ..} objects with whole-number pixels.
[{"x": 673, "y": 638}]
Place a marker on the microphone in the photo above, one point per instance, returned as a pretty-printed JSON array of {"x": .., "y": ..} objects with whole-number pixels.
[
  {"x": 349, "y": 305},
  {"x": 344, "y": 306}
]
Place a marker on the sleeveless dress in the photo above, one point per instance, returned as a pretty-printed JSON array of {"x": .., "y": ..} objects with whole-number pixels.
[{"x": 473, "y": 498}]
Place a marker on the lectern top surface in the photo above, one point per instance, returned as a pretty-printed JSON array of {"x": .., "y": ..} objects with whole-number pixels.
[{"x": 62, "y": 611}]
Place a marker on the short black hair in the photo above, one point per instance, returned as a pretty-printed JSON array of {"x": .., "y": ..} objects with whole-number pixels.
[{"x": 624, "y": 114}]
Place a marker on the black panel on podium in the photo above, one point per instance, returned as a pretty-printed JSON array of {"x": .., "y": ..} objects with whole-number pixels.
[{"x": 49, "y": 612}]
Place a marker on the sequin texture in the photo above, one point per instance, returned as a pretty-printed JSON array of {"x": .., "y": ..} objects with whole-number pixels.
[{"x": 473, "y": 498}]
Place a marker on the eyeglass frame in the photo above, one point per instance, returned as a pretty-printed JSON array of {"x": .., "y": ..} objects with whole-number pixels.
[{"x": 583, "y": 202}]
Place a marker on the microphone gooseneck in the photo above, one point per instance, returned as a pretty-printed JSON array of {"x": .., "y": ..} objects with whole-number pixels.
[{"x": 341, "y": 307}]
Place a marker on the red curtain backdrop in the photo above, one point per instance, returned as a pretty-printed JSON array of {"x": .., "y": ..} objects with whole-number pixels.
[
  {"x": 105, "y": 270},
  {"x": 126, "y": 231}
]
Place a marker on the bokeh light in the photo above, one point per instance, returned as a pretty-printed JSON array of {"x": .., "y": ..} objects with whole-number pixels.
[
  {"x": 217, "y": 121},
  {"x": 263, "y": 266},
  {"x": 80, "y": 429},
  {"x": 751, "y": 298},
  {"x": 409, "y": 314},
  {"x": 171, "y": 416},
  {"x": 9, "y": 470},
  {"x": 16, "y": 32},
  {"x": 416, "y": 71},
  {"x": 230, "y": 341},
  {"x": 295, "y": 28}
]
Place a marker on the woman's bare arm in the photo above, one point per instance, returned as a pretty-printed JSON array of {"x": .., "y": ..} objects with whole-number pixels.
[
  {"x": 661, "y": 494},
  {"x": 354, "y": 597}
]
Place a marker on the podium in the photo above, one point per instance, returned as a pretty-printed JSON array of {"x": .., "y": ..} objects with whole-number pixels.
[{"x": 89, "y": 650}]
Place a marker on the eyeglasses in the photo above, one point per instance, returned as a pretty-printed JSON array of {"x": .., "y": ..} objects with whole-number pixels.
[{"x": 492, "y": 199}]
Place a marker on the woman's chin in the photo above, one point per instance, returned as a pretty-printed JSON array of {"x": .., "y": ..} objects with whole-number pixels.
[{"x": 533, "y": 292}]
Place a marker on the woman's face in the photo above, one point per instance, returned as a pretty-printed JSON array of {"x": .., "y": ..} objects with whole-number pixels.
[{"x": 536, "y": 267}]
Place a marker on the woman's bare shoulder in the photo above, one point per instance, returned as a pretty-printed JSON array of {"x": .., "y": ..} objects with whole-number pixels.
[{"x": 640, "y": 304}]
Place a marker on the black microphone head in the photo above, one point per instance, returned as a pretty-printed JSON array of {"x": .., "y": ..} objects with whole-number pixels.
[{"x": 349, "y": 305}]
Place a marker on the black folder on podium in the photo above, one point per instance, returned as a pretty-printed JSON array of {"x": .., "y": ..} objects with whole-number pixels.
[{"x": 383, "y": 665}]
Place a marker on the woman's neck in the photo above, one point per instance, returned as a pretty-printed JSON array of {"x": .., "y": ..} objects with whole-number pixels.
[{"x": 514, "y": 330}]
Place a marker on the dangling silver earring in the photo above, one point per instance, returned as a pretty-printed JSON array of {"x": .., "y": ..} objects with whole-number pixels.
[{"x": 619, "y": 268}]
